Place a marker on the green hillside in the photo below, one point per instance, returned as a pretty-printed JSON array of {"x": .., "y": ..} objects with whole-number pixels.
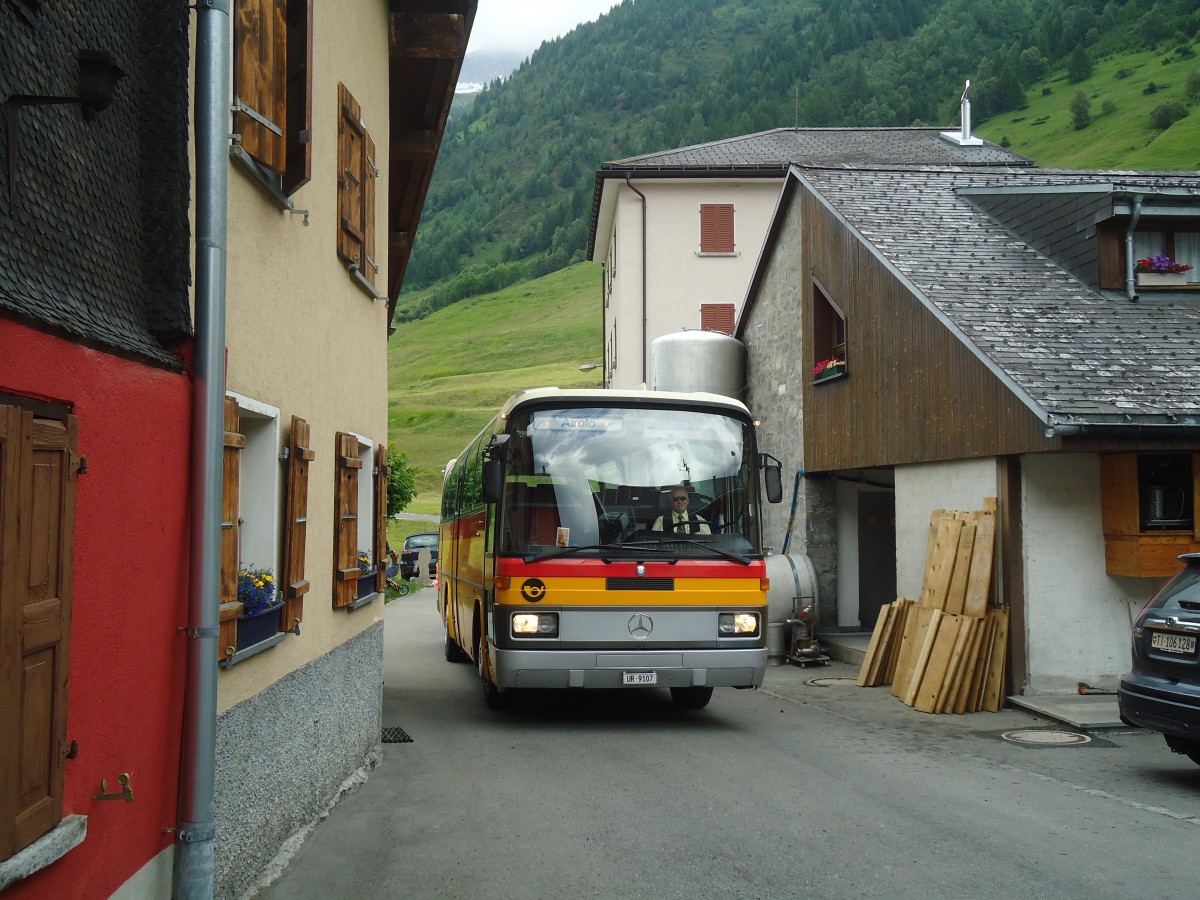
[
  {"x": 1122, "y": 92},
  {"x": 512, "y": 191}
]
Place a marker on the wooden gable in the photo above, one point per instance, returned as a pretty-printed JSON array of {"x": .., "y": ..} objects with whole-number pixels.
[{"x": 914, "y": 392}]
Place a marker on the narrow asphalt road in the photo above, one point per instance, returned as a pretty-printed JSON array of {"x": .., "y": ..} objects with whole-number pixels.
[{"x": 811, "y": 786}]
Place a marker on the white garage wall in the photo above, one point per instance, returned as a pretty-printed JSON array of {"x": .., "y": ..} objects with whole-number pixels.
[
  {"x": 1077, "y": 616},
  {"x": 921, "y": 489}
]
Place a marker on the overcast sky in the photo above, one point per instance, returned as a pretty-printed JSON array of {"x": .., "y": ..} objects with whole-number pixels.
[{"x": 522, "y": 25}]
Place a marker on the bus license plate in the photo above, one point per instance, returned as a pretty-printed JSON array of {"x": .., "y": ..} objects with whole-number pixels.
[
  {"x": 1173, "y": 643},
  {"x": 639, "y": 677}
]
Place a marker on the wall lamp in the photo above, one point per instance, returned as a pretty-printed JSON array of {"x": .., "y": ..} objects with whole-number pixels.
[{"x": 98, "y": 77}]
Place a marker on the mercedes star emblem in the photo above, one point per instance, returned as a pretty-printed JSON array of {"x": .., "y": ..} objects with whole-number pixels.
[{"x": 640, "y": 625}]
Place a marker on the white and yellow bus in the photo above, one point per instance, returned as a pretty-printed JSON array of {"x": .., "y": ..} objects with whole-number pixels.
[{"x": 561, "y": 565}]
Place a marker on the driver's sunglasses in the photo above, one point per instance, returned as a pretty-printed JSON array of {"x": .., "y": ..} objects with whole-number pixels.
[{"x": 679, "y": 499}]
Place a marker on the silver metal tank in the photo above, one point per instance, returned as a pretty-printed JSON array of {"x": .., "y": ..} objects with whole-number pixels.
[
  {"x": 793, "y": 585},
  {"x": 698, "y": 361}
]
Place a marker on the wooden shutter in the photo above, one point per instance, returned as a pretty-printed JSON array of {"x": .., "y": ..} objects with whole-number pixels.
[
  {"x": 717, "y": 317},
  {"x": 351, "y": 174},
  {"x": 370, "y": 268},
  {"x": 260, "y": 79},
  {"x": 37, "y": 514},
  {"x": 345, "y": 511},
  {"x": 716, "y": 228},
  {"x": 380, "y": 549},
  {"x": 1196, "y": 497},
  {"x": 230, "y": 530},
  {"x": 295, "y": 528}
]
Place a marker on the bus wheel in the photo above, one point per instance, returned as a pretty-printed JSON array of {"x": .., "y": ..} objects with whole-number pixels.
[
  {"x": 454, "y": 653},
  {"x": 492, "y": 695},
  {"x": 691, "y": 697}
]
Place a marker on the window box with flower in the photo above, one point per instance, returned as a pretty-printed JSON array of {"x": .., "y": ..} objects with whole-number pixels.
[
  {"x": 261, "y": 603},
  {"x": 366, "y": 581},
  {"x": 828, "y": 368},
  {"x": 1160, "y": 271}
]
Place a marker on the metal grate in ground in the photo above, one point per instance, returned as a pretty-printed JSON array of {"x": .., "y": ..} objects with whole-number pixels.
[{"x": 396, "y": 736}]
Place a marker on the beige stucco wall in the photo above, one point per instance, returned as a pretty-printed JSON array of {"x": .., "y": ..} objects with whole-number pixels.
[
  {"x": 302, "y": 337},
  {"x": 678, "y": 278}
]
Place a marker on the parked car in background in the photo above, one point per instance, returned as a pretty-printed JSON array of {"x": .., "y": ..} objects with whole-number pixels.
[
  {"x": 410, "y": 554},
  {"x": 1162, "y": 690}
]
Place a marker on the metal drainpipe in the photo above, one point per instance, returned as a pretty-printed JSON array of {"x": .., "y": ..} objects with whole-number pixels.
[
  {"x": 645, "y": 327},
  {"x": 196, "y": 833},
  {"x": 1129, "y": 277}
]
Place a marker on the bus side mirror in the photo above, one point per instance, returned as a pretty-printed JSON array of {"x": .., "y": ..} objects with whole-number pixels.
[
  {"x": 493, "y": 468},
  {"x": 772, "y": 476}
]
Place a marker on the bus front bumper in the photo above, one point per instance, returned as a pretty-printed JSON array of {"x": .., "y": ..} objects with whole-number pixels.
[{"x": 739, "y": 668}]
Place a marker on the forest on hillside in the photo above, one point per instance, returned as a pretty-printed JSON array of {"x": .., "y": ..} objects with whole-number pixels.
[{"x": 511, "y": 195}]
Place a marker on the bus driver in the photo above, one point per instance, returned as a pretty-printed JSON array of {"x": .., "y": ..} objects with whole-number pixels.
[{"x": 681, "y": 520}]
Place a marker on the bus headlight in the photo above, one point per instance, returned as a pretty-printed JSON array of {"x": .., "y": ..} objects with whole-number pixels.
[
  {"x": 737, "y": 624},
  {"x": 539, "y": 624}
]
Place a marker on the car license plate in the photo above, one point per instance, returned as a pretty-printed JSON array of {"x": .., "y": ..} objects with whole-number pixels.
[
  {"x": 639, "y": 677},
  {"x": 1173, "y": 643}
]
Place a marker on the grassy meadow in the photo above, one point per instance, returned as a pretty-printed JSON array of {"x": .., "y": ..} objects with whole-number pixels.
[
  {"x": 449, "y": 373},
  {"x": 1130, "y": 85}
]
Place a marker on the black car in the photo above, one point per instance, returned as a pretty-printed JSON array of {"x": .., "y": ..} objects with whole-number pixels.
[
  {"x": 1162, "y": 690},
  {"x": 413, "y": 545}
]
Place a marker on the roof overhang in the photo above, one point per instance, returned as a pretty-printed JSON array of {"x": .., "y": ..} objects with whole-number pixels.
[{"x": 427, "y": 40}]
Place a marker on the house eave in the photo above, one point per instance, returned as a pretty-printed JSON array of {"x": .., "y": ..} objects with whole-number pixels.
[{"x": 1126, "y": 427}]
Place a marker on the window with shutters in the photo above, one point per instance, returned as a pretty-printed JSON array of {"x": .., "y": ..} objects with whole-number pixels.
[
  {"x": 38, "y": 467},
  {"x": 250, "y": 522},
  {"x": 716, "y": 228},
  {"x": 716, "y": 317},
  {"x": 357, "y": 173},
  {"x": 360, "y": 521},
  {"x": 272, "y": 92}
]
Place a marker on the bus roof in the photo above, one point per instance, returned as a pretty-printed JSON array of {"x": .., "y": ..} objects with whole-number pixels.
[{"x": 602, "y": 396}]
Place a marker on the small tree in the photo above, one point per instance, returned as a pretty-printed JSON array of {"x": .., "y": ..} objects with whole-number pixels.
[
  {"x": 401, "y": 481},
  {"x": 1192, "y": 85},
  {"x": 1167, "y": 114},
  {"x": 1079, "y": 65},
  {"x": 1081, "y": 110}
]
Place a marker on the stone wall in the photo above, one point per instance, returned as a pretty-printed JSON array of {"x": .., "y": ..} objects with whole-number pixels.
[
  {"x": 776, "y": 373},
  {"x": 283, "y": 754}
]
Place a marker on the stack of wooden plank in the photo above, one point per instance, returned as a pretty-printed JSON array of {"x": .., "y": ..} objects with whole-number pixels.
[{"x": 946, "y": 652}]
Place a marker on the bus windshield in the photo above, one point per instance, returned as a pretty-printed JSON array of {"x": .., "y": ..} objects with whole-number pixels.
[{"x": 617, "y": 482}]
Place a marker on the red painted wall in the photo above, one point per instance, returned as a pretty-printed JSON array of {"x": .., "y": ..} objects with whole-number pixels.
[{"x": 127, "y": 668}]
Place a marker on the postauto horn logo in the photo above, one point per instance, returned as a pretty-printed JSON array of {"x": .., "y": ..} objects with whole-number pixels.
[{"x": 533, "y": 589}]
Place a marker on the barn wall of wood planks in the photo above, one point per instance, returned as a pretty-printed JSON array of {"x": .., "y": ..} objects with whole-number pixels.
[{"x": 946, "y": 652}]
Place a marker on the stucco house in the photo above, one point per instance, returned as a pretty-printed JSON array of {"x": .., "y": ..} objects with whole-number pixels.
[
  {"x": 995, "y": 341},
  {"x": 679, "y": 231},
  {"x": 193, "y": 337}
]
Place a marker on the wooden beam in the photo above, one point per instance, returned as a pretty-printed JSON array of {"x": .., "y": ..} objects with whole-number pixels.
[
  {"x": 414, "y": 144},
  {"x": 429, "y": 35}
]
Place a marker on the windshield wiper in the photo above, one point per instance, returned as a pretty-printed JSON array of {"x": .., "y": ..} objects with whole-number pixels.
[
  {"x": 744, "y": 560},
  {"x": 564, "y": 551}
]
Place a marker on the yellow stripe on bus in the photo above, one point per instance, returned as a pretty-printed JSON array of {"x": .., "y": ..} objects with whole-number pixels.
[{"x": 592, "y": 592}]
